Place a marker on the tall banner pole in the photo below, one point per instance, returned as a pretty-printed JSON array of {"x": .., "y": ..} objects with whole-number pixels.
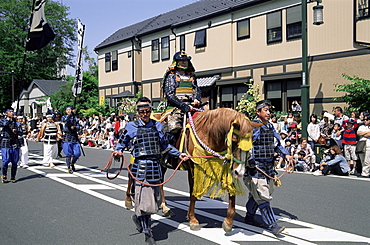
[{"x": 77, "y": 86}]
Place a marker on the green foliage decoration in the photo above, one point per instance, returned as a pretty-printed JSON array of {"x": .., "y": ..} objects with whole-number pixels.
[{"x": 247, "y": 103}]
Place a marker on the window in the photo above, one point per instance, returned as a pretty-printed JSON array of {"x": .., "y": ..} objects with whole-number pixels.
[
  {"x": 293, "y": 22},
  {"x": 155, "y": 50},
  {"x": 274, "y": 29},
  {"x": 107, "y": 62},
  {"x": 182, "y": 42},
  {"x": 165, "y": 48},
  {"x": 243, "y": 30},
  {"x": 115, "y": 60},
  {"x": 363, "y": 8},
  {"x": 200, "y": 39}
]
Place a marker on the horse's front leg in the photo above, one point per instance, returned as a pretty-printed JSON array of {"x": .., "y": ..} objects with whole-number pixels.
[
  {"x": 193, "y": 222},
  {"x": 227, "y": 225}
]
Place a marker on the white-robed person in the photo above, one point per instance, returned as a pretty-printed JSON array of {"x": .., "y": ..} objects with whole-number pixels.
[{"x": 50, "y": 133}]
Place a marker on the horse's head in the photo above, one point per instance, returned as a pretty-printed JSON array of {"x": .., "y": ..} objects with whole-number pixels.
[
  {"x": 242, "y": 143},
  {"x": 225, "y": 129}
]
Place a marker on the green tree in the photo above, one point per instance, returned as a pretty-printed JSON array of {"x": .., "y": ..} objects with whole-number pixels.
[
  {"x": 356, "y": 93},
  {"x": 45, "y": 63},
  {"x": 88, "y": 99}
]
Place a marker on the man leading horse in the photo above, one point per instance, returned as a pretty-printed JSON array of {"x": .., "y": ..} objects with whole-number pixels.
[{"x": 260, "y": 169}]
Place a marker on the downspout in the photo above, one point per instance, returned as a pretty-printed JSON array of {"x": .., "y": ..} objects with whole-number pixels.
[
  {"x": 133, "y": 65},
  {"x": 173, "y": 32}
]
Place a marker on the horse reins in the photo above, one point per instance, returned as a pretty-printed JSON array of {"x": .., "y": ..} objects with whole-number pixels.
[{"x": 123, "y": 160}]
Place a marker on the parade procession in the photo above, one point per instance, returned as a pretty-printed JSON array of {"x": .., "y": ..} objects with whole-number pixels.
[{"x": 185, "y": 122}]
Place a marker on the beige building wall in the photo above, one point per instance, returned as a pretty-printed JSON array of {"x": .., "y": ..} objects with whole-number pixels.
[{"x": 253, "y": 57}]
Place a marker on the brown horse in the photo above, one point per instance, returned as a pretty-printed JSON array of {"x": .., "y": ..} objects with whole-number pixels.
[{"x": 224, "y": 131}]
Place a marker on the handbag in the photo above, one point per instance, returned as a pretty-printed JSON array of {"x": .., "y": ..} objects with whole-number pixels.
[{"x": 321, "y": 140}]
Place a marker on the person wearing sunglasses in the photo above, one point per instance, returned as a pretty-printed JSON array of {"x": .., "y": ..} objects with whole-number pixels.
[{"x": 148, "y": 144}]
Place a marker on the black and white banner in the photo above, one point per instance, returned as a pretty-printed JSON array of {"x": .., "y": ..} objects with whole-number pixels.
[
  {"x": 77, "y": 86},
  {"x": 40, "y": 33}
]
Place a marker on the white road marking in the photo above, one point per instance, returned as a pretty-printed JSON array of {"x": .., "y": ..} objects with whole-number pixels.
[{"x": 307, "y": 234}]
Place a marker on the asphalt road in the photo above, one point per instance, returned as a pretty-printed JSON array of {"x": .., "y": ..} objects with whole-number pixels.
[{"x": 50, "y": 206}]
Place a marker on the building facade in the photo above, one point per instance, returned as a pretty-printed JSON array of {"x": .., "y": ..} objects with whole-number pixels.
[
  {"x": 32, "y": 102},
  {"x": 238, "y": 42}
]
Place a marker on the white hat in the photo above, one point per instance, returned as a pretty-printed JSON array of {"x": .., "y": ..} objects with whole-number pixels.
[
  {"x": 49, "y": 115},
  {"x": 283, "y": 132}
]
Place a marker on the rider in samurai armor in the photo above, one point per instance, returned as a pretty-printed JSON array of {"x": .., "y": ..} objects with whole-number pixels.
[
  {"x": 262, "y": 156},
  {"x": 148, "y": 143},
  {"x": 180, "y": 89},
  {"x": 11, "y": 133},
  {"x": 71, "y": 145}
]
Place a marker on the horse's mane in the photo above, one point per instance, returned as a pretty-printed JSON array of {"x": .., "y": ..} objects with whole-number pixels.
[{"x": 215, "y": 124}]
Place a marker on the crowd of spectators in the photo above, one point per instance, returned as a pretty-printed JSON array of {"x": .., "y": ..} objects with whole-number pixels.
[
  {"x": 97, "y": 130},
  {"x": 348, "y": 135}
]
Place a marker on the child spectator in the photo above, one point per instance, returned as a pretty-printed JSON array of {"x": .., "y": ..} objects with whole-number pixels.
[
  {"x": 337, "y": 134},
  {"x": 290, "y": 148},
  {"x": 302, "y": 164},
  {"x": 293, "y": 133},
  {"x": 283, "y": 135},
  {"x": 111, "y": 137},
  {"x": 349, "y": 142},
  {"x": 275, "y": 123},
  {"x": 309, "y": 157}
]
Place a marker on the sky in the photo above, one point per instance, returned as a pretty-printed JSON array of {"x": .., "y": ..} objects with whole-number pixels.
[{"x": 104, "y": 17}]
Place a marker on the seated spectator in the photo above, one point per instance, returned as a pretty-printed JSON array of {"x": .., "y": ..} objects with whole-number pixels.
[
  {"x": 290, "y": 148},
  {"x": 105, "y": 144},
  {"x": 309, "y": 157},
  {"x": 301, "y": 164},
  {"x": 338, "y": 165}
]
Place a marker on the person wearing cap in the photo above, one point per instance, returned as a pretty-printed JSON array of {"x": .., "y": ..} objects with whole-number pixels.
[
  {"x": 349, "y": 142},
  {"x": 10, "y": 145},
  {"x": 293, "y": 133},
  {"x": 262, "y": 156},
  {"x": 148, "y": 143},
  {"x": 71, "y": 145},
  {"x": 23, "y": 160},
  {"x": 181, "y": 90},
  {"x": 364, "y": 133},
  {"x": 50, "y": 133}
]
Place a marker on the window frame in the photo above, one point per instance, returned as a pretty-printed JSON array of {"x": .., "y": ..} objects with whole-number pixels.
[
  {"x": 182, "y": 42},
  {"x": 114, "y": 57},
  {"x": 238, "y": 36},
  {"x": 155, "y": 43},
  {"x": 107, "y": 58},
  {"x": 278, "y": 29},
  {"x": 200, "y": 38},
  {"x": 166, "y": 49},
  {"x": 294, "y": 27}
]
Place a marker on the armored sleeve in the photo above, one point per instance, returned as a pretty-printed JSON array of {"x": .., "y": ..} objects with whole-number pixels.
[
  {"x": 170, "y": 86},
  {"x": 197, "y": 93}
]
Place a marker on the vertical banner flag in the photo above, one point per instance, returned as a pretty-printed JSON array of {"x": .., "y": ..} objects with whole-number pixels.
[
  {"x": 77, "y": 86},
  {"x": 40, "y": 33}
]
